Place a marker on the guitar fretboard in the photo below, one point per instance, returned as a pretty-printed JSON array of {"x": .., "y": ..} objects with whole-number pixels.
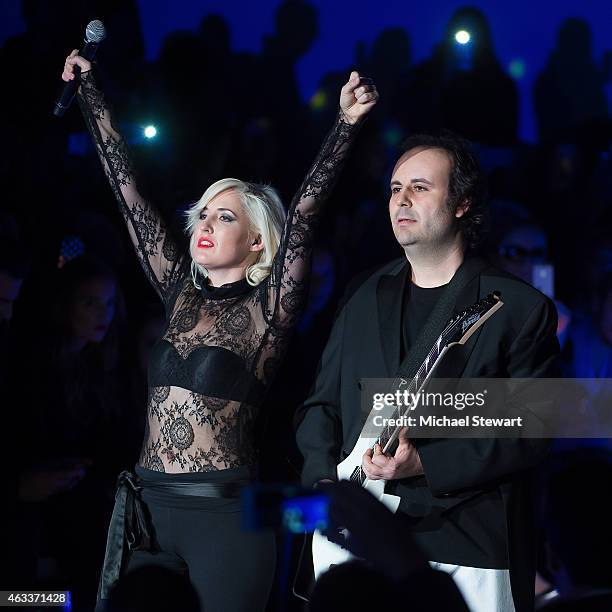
[{"x": 388, "y": 433}]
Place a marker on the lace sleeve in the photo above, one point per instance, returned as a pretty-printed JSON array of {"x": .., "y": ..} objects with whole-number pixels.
[
  {"x": 287, "y": 284},
  {"x": 157, "y": 251}
]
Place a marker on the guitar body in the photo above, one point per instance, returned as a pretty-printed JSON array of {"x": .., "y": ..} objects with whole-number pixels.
[{"x": 326, "y": 553}]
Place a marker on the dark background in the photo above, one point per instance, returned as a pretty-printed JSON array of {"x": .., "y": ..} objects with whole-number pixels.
[{"x": 249, "y": 89}]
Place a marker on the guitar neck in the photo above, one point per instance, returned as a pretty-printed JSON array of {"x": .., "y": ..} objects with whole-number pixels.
[{"x": 389, "y": 434}]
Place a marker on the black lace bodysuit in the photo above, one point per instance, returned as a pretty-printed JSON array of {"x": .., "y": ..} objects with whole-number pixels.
[{"x": 222, "y": 346}]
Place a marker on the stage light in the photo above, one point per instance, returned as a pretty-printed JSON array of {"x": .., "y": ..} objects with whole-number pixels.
[
  {"x": 150, "y": 131},
  {"x": 462, "y": 37},
  {"x": 318, "y": 101},
  {"x": 517, "y": 68}
]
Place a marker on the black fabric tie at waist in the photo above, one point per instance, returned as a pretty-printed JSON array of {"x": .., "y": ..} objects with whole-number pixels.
[{"x": 130, "y": 525}]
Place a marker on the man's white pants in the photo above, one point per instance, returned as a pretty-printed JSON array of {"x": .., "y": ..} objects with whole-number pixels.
[{"x": 484, "y": 590}]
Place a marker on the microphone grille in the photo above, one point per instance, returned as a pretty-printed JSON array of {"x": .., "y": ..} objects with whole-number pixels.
[{"x": 95, "y": 31}]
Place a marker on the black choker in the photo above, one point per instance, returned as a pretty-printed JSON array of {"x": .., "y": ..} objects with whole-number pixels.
[{"x": 228, "y": 290}]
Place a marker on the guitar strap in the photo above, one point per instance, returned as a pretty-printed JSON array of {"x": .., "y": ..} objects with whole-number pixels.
[{"x": 439, "y": 317}]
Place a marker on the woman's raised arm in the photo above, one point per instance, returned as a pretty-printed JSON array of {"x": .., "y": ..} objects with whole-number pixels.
[
  {"x": 156, "y": 249},
  {"x": 287, "y": 282}
]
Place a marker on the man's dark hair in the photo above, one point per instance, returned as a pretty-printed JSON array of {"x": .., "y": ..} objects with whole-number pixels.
[{"x": 466, "y": 181}]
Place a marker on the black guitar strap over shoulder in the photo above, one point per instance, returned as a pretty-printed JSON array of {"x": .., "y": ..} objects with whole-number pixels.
[{"x": 439, "y": 317}]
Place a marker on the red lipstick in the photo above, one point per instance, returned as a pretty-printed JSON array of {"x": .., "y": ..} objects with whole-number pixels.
[{"x": 205, "y": 243}]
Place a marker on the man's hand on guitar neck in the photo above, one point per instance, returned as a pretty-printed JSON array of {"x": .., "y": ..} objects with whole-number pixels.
[{"x": 403, "y": 464}]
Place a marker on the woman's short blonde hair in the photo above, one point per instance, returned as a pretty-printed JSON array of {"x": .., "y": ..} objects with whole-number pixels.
[{"x": 266, "y": 215}]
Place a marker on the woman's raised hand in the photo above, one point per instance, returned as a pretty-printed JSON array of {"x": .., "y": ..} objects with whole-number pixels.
[
  {"x": 74, "y": 59},
  {"x": 357, "y": 97}
]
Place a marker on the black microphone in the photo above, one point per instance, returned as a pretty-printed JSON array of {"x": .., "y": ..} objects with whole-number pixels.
[{"x": 95, "y": 33}]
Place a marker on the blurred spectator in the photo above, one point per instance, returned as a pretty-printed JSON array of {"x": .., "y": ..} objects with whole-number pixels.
[
  {"x": 354, "y": 586},
  {"x": 463, "y": 87},
  {"x": 523, "y": 251},
  {"x": 589, "y": 351},
  {"x": 569, "y": 94},
  {"x": 278, "y": 99},
  {"x": 522, "y": 248},
  {"x": 182, "y": 102},
  {"x": 29, "y": 482},
  {"x": 76, "y": 416},
  {"x": 296, "y": 27},
  {"x": 389, "y": 64},
  {"x": 122, "y": 62}
]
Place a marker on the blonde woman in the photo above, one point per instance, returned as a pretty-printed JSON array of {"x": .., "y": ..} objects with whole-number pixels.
[{"x": 231, "y": 303}]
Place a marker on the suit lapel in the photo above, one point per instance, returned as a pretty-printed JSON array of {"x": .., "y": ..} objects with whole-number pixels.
[{"x": 389, "y": 294}]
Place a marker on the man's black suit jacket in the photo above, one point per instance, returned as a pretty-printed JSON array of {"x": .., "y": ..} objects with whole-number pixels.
[{"x": 474, "y": 505}]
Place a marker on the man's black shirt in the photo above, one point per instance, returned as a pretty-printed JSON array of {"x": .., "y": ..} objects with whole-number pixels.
[{"x": 418, "y": 302}]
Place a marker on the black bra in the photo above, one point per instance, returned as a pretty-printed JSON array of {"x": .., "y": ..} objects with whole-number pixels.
[{"x": 208, "y": 370}]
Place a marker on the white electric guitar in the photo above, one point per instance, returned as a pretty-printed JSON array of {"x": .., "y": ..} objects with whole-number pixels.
[{"x": 325, "y": 553}]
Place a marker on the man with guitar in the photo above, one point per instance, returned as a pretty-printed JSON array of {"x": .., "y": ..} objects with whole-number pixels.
[{"x": 468, "y": 500}]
